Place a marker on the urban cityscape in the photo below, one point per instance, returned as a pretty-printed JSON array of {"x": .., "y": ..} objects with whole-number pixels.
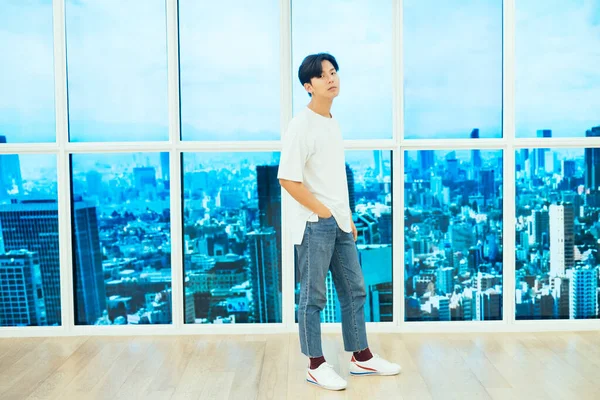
[
  {"x": 231, "y": 202},
  {"x": 453, "y": 235},
  {"x": 557, "y": 231}
]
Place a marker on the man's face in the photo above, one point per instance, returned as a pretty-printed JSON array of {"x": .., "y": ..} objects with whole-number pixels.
[{"x": 327, "y": 85}]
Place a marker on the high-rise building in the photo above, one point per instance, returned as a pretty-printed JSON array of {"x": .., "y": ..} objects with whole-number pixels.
[
  {"x": 265, "y": 275},
  {"x": 569, "y": 168},
  {"x": 487, "y": 184},
  {"x": 190, "y": 309},
  {"x": 592, "y": 162},
  {"x": 426, "y": 160},
  {"x": 442, "y": 304},
  {"x": 562, "y": 238},
  {"x": 540, "y": 225},
  {"x": 381, "y": 302},
  {"x": 378, "y": 160},
  {"x": 144, "y": 177},
  {"x": 452, "y": 165},
  {"x": 385, "y": 227},
  {"x": 90, "y": 299},
  {"x": 33, "y": 225},
  {"x": 269, "y": 197},
  {"x": 583, "y": 292},
  {"x": 21, "y": 292},
  {"x": 445, "y": 280},
  {"x": 488, "y": 305},
  {"x": 165, "y": 175},
  {"x": 560, "y": 291},
  {"x": 10, "y": 172},
  {"x": 544, "y": 133},
  {"x": 351, "y": 194},
  {"x": 93, "y": 180},
  {"x": 476, "y": 161}
]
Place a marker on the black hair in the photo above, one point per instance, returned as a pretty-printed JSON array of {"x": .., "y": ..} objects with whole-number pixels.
[{"x": 312, "y": 67}]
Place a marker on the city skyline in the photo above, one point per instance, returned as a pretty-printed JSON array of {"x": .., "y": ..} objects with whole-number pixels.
[
  {"x": 556, "y": 248},
  {"x": 453, "y": 235},
  {"x": 231, "y": 223},
  {"x": 562, "y": 169}
]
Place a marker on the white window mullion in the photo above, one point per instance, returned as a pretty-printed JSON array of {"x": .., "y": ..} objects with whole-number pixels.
[
  {"x": 67, "y": 292},
  {"x": 508, "y": 177},
  {"x": 398, "y": 167},
  {"x": 175, "y": 173},
  {"x": 287, "y": 247}
]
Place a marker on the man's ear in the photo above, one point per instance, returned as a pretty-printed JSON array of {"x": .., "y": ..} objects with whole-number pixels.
[{"x": 308, "y": 87}]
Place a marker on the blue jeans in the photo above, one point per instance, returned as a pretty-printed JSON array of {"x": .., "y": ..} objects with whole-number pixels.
[{"x": 326, "y": 246}]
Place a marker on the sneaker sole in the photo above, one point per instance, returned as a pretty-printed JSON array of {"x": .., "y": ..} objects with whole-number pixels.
[
  {"x": 374, "y": 373},
  {"x": 324, "y": 387}
]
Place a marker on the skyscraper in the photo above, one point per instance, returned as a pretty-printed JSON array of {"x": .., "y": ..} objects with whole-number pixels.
[
  {"x": 476, "y": 162},
  {"x": 265, "y": 276},
  {"x": 544, "y": 133},
  {"x": 568, "y": 168},
  {"x": 378, "y": 159},
  {"x": 164, "y": 166},
  {"x": 144, "y": 177},
  {"x": 562, "y": 238},
  {"x": 351, "y": 194},
  {"x": 33, "y": 225},
  {"x": 269, "y": 197},
  {"x": 452, "y": 165},
  {"x": 592, "y": 162},
  {"x": 583, "y": 294},
  {"x": 445, "y": 280},
  {"x": 540, "y": 154},
  {"x": 10, "y": 172},
  {"x": 488, "y": 184},
  {"x": 426, "y": 160},
  {"x": 540, "y": 224},
  {"x": 21, "y": 293},
  {"x": 385, "y": 226},
  {"x": 93, "y": 180},
  {"x": 90, "y": 299},
  {"x": 560, "y": 291},
  {"x": 488, "y": 305}
]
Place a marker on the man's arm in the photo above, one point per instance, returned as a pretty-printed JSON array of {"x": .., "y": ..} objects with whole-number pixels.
[{"x": 303, "y": 196}]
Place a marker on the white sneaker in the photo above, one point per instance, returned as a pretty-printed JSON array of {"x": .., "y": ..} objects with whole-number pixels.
[
  {"x": 375, "y": 366},
  {"x": 325, "y": 377}
]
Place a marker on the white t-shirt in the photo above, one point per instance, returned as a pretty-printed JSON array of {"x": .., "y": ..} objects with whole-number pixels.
[{"x": 313, "y": 153}]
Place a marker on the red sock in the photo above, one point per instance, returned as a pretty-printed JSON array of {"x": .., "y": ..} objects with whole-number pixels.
[
  {"x": 363, "y": 355},
  {"x": 316, "y": 362}
]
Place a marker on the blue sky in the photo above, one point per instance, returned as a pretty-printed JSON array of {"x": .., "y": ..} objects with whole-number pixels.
[
  {"x": 26, "y": 71},
  {"x": 452, "y": 68},
  {"x": 230, "y": 67},
  {"x": 557, "y": 52},
  {"x": 359, "y": 34}
]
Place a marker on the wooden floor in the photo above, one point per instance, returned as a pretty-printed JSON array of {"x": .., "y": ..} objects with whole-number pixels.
[{"x": 449, "y": 366}]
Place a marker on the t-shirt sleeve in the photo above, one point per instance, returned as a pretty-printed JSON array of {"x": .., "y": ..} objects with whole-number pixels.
[{"x": 294, "y": 154}]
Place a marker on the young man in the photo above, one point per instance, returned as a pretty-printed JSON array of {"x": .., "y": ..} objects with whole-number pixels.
[{"x": 313, "y": 171}]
